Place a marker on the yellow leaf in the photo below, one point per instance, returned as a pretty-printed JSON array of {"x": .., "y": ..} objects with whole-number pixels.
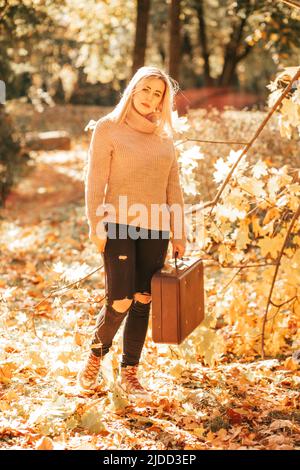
[
  {"x": 271, "y": 245},
  {"x": 256, "y": 227},
  {"x": 252, "y": 186},
  {"x": 78, "y": 338},
  {"x": 177, "y": 368},
  {"x": 210, "y": 436},
  {"x": 259, "y": 169},
  {"x": 222, "y": 433},
  {"x": 6, "y": 372},
  {"x": 273, "y": 186},
  {"x": 241, "y": 411},
  {"x": 290, "y": 364},
  {"x": 222, "y": 170},
  {"x": 91, "y": 420},
  {"x": 241, "y": 236},
  {"x": 290, "y": 109},
  {"x": 198, "y": 431},
  {"x": 36, "y": 359},
  {"x": 45, "y": 443},
  {"x": 273, "y": 213}
]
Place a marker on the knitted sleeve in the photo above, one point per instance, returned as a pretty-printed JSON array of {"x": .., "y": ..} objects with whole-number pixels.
[
  {"x": 99, "y": 158},
  {"x": 175, "y": 196}
]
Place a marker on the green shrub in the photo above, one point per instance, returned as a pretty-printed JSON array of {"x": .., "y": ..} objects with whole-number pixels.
[{"x": 13, "y": 161}]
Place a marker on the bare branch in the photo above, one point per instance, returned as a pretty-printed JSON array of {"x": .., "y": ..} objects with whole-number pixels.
[
  {"x": 295, "y": 217},
  {"x": 291, "y": 3},
  {"x": 231, "y": 280},
  {"x": 283, "y": 303},
  {"x": 68, "y": 287},
  {"x": 211, "y": 142}
]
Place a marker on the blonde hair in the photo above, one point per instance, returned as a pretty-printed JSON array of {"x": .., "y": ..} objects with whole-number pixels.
[{"x": 166, "y": 105}]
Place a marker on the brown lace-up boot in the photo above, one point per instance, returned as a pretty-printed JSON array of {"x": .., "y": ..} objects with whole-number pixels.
[
  {"x": 88, "y": 375},
  {"x": 130, "y": 384}
]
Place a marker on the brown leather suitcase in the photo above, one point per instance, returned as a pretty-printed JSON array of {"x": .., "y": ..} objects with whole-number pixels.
[{"x": 177, "y": 291}]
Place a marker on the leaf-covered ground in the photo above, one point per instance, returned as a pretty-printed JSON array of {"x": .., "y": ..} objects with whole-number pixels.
[{"x": 239, "y": 403}]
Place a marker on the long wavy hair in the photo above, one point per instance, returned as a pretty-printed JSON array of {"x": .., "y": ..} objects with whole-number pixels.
[{"x": 166, "y": 106}]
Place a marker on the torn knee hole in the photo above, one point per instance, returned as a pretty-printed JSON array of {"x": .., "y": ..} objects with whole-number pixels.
[
  {"x": 122, "y": 257},
  {"x": 121, "y": 306},
  {"x": 143, "y": 297}
]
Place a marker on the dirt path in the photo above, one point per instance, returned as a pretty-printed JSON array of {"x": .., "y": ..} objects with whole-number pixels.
[{"x": 55, "y": 180}]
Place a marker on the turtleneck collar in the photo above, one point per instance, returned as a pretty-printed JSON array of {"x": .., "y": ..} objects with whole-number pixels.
[{"x": 139, "y": 122}]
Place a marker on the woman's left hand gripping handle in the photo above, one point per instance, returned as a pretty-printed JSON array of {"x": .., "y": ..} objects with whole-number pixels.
[{"x": 99, "y": 242}]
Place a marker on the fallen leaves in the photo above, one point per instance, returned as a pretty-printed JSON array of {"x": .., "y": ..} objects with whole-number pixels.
[
  {"x": 291, "y": 364},
  {"x": 233, "y": 416},
  {"x": 45, "y": 443},
  {"x": 91, "y": 420},
  {"x": 6, "y": 372},
  {"x": 210, "y": 393}
]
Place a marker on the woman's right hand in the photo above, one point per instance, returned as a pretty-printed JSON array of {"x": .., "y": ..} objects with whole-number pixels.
[{"x": 99, "y": 242}]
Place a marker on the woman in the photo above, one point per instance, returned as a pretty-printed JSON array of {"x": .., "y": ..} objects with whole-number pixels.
[{"x": 132, "y": 158}]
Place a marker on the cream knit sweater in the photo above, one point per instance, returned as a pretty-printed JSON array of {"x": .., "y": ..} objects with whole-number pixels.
[{"x": 132, "y": 161}]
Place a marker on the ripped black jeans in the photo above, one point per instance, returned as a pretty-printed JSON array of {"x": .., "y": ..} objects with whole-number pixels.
[{"x": 131, "y": 257}]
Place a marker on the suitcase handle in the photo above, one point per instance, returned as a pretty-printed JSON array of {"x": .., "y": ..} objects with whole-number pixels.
[
  {"x": 182, "y": 262},
  {"x": 176, "y": 255}
]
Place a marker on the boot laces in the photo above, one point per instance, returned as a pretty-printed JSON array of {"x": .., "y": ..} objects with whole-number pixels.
[
  {"x": 92, "y": 367},
  {"x": 130, "y": 375}
]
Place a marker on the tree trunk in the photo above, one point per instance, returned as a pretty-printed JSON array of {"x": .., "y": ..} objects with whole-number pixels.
[
  {"x": 174, "y": 40},
  {"x": 162, "y": 53},
  {"x": 140, "y": 43},
  {"x": 232, "y": 55},
  {"x": 230, "y": 59},
  {"x": 229, "y": 67},
  {"x": 203, "y": 41}
]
